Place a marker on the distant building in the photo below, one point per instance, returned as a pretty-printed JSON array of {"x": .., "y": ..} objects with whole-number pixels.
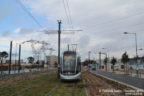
[
  {"x": 52, "y": 60},
  {"x": 132, "y": 63},
  {"x": 14, "y": 61},
  {"x": 140, "y": 60},
  {"x": 119, "y": 65},
  {"x": 4, "y": 67}
]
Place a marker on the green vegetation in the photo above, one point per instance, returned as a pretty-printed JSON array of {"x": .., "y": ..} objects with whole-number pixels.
[
  {"x": 113, "y": 62},
  {"x": 124, "y": 60},
  {"x": 3, "y": 55},
  {"x": 35, "y": 87},
  {"x": 105, "y": 62},
  {"x": 113, "y": 83},
  {"x": 42, "y": 85},
  {"x": 69, "y": 88}
]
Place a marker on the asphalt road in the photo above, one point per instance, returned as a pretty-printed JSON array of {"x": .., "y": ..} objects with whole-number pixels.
[{"x": 136, "y": 82}]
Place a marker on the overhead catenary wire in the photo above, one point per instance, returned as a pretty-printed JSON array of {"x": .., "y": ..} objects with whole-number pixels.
[
  {"x": 30, "y": 15},
  {"x": 119, "y": 27},
  {"x": 118, "y": 23},
  {"x": 70, "y": 17},
  {"x": 25, "y": 9},
  {"x": 66, "y": 12},
  {"x": 69, "y": 13},
  {"x": 119, "y": 19}
]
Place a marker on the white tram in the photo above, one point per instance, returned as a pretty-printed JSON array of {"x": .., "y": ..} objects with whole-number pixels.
[{"x": 70, "y": 68}]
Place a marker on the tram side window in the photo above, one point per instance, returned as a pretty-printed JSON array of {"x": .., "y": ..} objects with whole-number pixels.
[{"x": 78, "y": 65}]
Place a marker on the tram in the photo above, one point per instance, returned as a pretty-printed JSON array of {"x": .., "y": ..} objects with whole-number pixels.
[{"x": 70, "y": 68}]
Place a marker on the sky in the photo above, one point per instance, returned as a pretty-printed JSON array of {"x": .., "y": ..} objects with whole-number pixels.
[{"x": 102, "y": 23}]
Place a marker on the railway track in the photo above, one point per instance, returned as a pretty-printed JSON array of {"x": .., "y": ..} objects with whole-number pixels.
[
  {"x": 49, "y": 85},
  {"x": 11, "y": 86},
  {"x": 95, "y": 86},
  {"x": 74, "y": 89},
  {"x": 53, "y": 89},
  {"x": 26, "y": 86},
  {"x": 67, "y": 88}
]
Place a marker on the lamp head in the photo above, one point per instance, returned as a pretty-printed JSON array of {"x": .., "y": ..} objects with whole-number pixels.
[
  {"x": 140, "y": 49},
  {"x": 125, "y": 32}
]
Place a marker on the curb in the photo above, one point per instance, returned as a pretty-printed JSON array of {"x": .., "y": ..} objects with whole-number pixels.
[{"x": 128, "y": 85}]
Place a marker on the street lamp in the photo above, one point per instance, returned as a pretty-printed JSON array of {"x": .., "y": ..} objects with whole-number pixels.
[
  {"x": 135, "y": 46},
  {"x": 96, "y": 60},
  {"x": 125, "y": 32},
  {"x": 106, "y": 54},
  {"x": 89, "y": 53},
  {"x": 107, "y": 51},
  {"x": 140, "y": 49},
  {"x": 106, "y": 58},
  {"x": 135, "y": 41}
]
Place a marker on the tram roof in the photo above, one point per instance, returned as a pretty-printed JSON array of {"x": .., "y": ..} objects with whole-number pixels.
[{"x": 69, "y": 52}]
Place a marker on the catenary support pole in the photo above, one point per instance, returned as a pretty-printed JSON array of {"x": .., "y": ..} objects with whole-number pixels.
[
  {"x": 10, "y": 57},
  {"x": 99, "y": 60},
  {"x": 59, "y": 35},
  {"x": 19, "y": 63}
]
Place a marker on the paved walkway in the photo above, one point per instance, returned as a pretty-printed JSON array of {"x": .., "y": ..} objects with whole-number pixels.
[{"x": 136, "y": 82}]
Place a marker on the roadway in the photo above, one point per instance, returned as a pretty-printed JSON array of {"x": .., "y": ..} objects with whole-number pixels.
[{"x": 132, "y": 81}]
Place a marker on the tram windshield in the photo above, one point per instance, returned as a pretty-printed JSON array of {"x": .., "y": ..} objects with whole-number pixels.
[{"x": 69, "y": 63}]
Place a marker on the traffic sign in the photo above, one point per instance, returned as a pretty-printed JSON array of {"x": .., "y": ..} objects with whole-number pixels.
[{"x": 137, "y": 64}]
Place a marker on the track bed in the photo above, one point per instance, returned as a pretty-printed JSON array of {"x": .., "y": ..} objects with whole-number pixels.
[{"x": 47, "y": 84}]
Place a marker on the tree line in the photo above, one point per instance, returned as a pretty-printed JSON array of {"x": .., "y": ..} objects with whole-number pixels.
[
  {"x": 4, "y": 55},
  {"x": 113, "y": 61}
]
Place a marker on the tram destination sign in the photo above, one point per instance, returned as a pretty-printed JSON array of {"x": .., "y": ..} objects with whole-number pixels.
[{"x": 67, "y": 56}]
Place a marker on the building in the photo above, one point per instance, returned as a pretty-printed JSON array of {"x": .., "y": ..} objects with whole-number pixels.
[
  {"x": 118, "y": 65},
  {"x": 14, "y": 61},
  {"x": 132, "y": 63},
  {"x": 52, "y": 60},
  {"x": 5, "y": 67}
]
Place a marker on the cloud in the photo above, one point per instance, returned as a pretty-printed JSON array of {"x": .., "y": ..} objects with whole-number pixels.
[
  {"x": 17, "y": 30},
  {"x": 27, "y": 31},
  {"x": 84, "y": 41},
  {"x": 103, "y": 23},
  {"x": 66, "y": 40},
  {"x": 5, "y": 12},
  {"x": 6, "y": 33}
]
